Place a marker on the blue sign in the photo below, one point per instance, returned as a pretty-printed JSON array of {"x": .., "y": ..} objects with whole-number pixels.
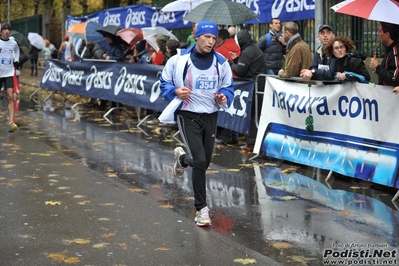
[
  {"x": 139, "y": 16},
  {"x": 135, "y": 85},
  {"x": 365, "y": 159}
]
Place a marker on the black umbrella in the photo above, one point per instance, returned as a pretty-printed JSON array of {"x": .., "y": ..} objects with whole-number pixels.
[
  {"x": 109, "y": 29},
  {"x": 112, "y": 30},
  {"x": 20, "y": 38}
]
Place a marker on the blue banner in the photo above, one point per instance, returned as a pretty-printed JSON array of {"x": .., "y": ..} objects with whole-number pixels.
[
  {"x": 139, "y": 16},
  {"x": 365, "y": 159},
  {"x": 383, "y": 221},
  {"x": 135, "y": 85}
]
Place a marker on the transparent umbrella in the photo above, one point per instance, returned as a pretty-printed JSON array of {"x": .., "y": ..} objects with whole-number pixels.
[
  {"x": 150, "y": 34},
  {"x": 36, "y": 40},
  {"x": 182, "y": 5}
]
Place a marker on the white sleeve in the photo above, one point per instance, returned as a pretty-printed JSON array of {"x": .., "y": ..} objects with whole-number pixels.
[{"x": 16, "y": 52}]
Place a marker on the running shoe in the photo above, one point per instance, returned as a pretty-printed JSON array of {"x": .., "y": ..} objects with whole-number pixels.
[
  {"x": 178, "y": 169},
  {"x": 12, "y": 127},
  {"x": 202, "y": 217}
]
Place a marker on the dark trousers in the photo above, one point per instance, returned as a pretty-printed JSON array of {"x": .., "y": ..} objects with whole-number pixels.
[
  {"x": 33, "y": 66},
  {"x": 198, "y": 132}
]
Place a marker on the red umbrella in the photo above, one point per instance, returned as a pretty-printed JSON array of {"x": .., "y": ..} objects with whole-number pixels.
[
  {"x": 381, "y": 10},
  {"x": 130, "y": 35}
]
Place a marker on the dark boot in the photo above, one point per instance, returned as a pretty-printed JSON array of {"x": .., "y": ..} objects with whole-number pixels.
[
  {"x": 35, "y": 70},
  {"x": 31, "y": 70}
]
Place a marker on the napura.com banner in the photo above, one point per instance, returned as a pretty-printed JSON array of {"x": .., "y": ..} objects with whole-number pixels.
[{"x": 353, "y": 126}]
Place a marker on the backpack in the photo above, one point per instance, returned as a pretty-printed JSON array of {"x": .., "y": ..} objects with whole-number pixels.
[{"x": 268, "y": 39}]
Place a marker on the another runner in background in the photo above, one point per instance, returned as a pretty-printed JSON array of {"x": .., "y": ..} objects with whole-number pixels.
[
  {"x": 66, "y": 50},
  {"x": 9, "y": 56}
]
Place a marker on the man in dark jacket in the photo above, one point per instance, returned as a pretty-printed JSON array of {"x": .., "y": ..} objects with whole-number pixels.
[
  {"x": 388, "y": 70},
  {"x": 250, "y": 64},
  {"x": 115, "y": 52},
  {"x": 273, "y": 46},
  {"x": 251, "y": 61},
  {"x": 320, "y": 67}
]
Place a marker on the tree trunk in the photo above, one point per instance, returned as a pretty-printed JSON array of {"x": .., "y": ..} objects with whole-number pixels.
[{"x": 111, "y": 3}]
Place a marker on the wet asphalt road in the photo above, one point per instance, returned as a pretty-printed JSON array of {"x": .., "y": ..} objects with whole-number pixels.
[{"x": 258, "y": 211}]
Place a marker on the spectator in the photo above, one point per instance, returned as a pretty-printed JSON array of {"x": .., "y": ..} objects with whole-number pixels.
[
  {"x": 96, "y": 50},
  {"x": 225, "y": 45},
  {"x": 48, "y": 51},
  {"x": 232, "y": 32},
  {"x": 298, "y": 54},
  {"x": 90, "y": 50},
  {"x": 197, "y": 115},
  {"x": 172, "y": 46},
  {"x": 115, "y": 51},
  {"x": 320, "y": 66},
  {"x": 273, "y": 46},
  {"x": 161, "y": 56},
  {"x": 251, "y": 61},
  {"x": 33, "y": 56},
  {"x": 388, "y": 70},
  {"x": 347, "y": 65},
  {"x": 66, "y": 50},
  {"x": 250, "y": 64},
  {"x": 190, "y": 39},
  {"x": 140, "y": 54}
]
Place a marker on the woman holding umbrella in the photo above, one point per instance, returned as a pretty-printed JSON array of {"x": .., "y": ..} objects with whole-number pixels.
[{"x": 33, "y": 56}]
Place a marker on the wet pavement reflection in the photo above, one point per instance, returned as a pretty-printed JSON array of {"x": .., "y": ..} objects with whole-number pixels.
[{"x": 281, "y": 210}]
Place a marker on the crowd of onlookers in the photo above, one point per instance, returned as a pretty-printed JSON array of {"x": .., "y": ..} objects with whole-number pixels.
[{"x": 281, "y": 51}]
